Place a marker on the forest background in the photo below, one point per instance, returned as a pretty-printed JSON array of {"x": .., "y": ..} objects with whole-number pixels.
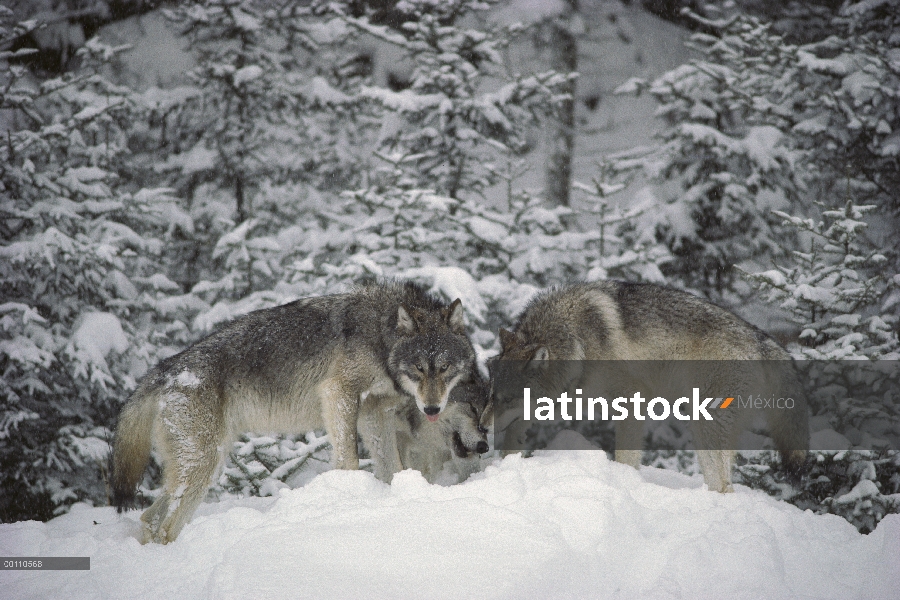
[{"x": 744, "y": 152}]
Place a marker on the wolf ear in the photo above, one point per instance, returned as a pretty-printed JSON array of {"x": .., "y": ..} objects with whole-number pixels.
[
  {"x": 455, "y": 317},
  {"x": 405, "y": 323},
  {"x": 540, "y": 360},
  {"x": 486, "y": 421},
  {"x": 507, "y": 339}
]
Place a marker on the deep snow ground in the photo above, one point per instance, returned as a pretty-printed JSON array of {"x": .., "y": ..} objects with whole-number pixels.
[{"x": 563, "y": 524}]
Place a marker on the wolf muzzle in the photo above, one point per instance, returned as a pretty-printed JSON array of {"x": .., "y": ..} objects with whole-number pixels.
[
  {"x": 432, "y": 413},
  {"x": 459, "y": 448}
]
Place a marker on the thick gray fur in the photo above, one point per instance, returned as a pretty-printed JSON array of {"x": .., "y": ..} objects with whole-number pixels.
[
  {"x": 311, "y": 364},
  {"x": 614, "y": 320}
]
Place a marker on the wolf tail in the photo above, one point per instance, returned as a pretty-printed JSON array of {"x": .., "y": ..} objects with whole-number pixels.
[
  {"x": 790, "y": 427},
  {"x": 131, "y": 447}
]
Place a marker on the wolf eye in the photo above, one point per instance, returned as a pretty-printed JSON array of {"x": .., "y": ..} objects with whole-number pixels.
[
  {"x": 444, "y": 367},
  {"x": 420, "y": 368}
]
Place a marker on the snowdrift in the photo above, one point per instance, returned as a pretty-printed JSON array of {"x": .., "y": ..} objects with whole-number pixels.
[{"x": 563, "y": 524}]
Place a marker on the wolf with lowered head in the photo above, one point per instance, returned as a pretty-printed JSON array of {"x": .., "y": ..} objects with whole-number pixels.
[
  {"x": 315, "y": 363},
  {"x": 620, "y": 321}
]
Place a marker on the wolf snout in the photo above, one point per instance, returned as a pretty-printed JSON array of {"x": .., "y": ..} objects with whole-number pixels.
[{"x": 481, "y": 447}]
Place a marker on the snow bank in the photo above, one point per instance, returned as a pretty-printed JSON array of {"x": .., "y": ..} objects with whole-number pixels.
[{"x": 560, "y": 525}]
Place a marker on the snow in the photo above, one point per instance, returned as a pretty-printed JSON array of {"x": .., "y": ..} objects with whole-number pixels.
[
  {"x": 773, "y": 277},
  {"x": 760, "y": 146},
  {"x": 509, "y": 293},
  {"x": 864, "y": 489},
  {"x": 234, "y": 237},
  {"x": 23, "y": 350},
  {"x": 28, "y": 314},
  {"x": 404, "y": 101},
  {"x": 99, "y": 334},
  {"x": 159, "y": 282},
  {"x": 814, "y": 294},
  {"x": 91, "y": 447},
  {"x": 187, "y": 379},
  {"x": 865, "y": 6},
  {"x": 246, "y": 21},
  {"x": 489, "y": 231},
  {"x": 452, "y": 283},
  {"x": 891, "y": 145},
  {"x": 563, "y": 524},
  {"x": 197, "y": 159},
  {"x": 248, "y": 73},
  {"x": 838, "y": 66},
  {"x": 323, "y": 92},
  {"x": 861, "y": 86}
]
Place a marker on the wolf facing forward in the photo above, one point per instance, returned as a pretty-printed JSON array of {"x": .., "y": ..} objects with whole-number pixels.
[
  {"x": 399, "y": 436},
  {"x": 619, "y": 321},
  {"x": 306, "y": 365}
]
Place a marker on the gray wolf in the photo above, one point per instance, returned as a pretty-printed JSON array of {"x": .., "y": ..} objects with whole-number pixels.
[
  {"x": 310, "y": 364},
  {"x": 403, "y": 438},
  {"x": 616, "y": 321}
]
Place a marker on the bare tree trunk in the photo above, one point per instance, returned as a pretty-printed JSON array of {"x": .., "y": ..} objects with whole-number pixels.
[
  {"x": 563, "y": 59},
  {"x": 239, "y": 197}
]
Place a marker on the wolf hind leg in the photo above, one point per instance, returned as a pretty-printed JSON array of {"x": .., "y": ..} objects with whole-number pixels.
[
  {"x": 193, "y": 448},
  {"x": 183, "y": 492}
]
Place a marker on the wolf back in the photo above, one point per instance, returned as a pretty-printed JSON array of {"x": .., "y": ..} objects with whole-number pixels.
[
  {"x": 305, "y": 365},
  {"x": 613, "y": 320}
]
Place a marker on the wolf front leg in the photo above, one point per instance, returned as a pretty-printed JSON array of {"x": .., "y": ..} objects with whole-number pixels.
[
  {"x": 716, "y": 467},
  {"x": 716, "y": 441},
  {"x": 378, "y": 423},
  {"x": 629, "y": 441},
  {"x": 340, "y": 411}
]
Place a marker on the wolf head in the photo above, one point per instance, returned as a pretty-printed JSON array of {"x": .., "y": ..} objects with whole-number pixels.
[
  {"x": 514, "y": 346},
  {"x": 431, "y": 356},
  {"x": 467, "y": 403},
  {"x": 523, "y": 363}
]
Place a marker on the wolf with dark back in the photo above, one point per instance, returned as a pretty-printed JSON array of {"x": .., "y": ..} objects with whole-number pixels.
[
  {"x": 325, "y": 362},
  {"x": 619, "y": 321}
]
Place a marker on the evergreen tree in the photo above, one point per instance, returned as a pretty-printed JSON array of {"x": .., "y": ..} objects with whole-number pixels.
[
  {"x": 763, "y": 124},
  {"x": 840, "y": 285},
  {"x": 809, "y": 130},
  {"x": 445, "y": 127},
  {"x": 723, "y": 162},
  {"x": 627, "y": 244},
  {"x": 262, "y": 465},
  {"x": 78, "y": 249},
  {"x": 839, "y": 292},
  {"x": 249, "y": 141}
]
